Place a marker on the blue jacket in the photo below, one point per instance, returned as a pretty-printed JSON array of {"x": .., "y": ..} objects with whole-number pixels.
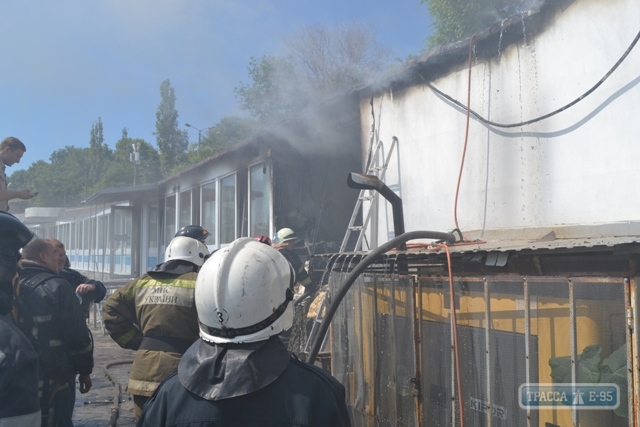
[{"x": 76, "y": 278}]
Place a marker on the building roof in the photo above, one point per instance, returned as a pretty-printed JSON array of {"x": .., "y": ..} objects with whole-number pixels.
[
  {"x": 108, "y": 195},
  {"x": 487, "y": 43}
]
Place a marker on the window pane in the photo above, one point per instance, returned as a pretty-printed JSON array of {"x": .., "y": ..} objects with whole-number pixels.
[
  {"x": 152, "y": 257},
  {"x": 209, "y": 211},
  {"x": 185, "y": 208},
  {"x": 227, "y": 209},
  {"x": 260, "y": 196},
  {"x": 170, "y": 219}
]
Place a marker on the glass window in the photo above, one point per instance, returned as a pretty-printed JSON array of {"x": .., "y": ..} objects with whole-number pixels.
[
  {"x": 102, "y": 230},
  {"x": 154, "y": 230},
  {"x": 227, "y": 209},
  {"x": 259, "y": 200},
  {"x": 72, "y": 238},
  {"x": 185, "y": 208},
  {"x": 170, "y": 219},
  {"x": 209, "y": 211}
]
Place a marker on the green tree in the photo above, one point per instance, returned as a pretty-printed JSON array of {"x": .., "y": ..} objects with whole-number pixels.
[
  {"x": 456, "y": 19},
  {"x": 336, "y": 59},
  {"x": 275, "y": 89},
  {"x": 21, "y": 179},
  {"x": 172, "y": 142},
  {"x": 227, "y": 132},
  {"x": 121, "y": 174},
  {"x": 320, "y": 62},
  {"x": 71, "y": 180},
  {"x": 99, "y": 153},
  {"x": 64, "y": 181}
]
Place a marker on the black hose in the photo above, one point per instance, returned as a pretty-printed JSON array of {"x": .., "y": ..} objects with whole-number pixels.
[
  {"x": 357, "y": 271},
  {"x": 546, "y": 116},
  {"x": 115, "y": 410}
]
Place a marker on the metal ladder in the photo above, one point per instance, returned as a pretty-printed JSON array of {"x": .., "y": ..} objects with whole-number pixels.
[
  {"x": 373, "y": 169},
  {"x": 321, "y": 309},
  {"x": 368, "y": 195}
]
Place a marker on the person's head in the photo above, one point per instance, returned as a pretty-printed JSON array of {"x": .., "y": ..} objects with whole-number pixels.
[
  {"x": 244, "y": 293},
  {"x": 11, "y": 150},
  {"x": 285, "y": 237},
  {"x": 193, "y": 231},
  {"x": 61, "y": 253},
  {"x": 42, "y": 252},
  {"x": 263, "y": 239},
  {"x": 187, "y": 249},
  {"x": 13, "y": 236}
]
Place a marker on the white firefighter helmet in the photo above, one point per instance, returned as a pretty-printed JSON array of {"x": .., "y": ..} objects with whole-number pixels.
[
  {"x": 285, "y": 235},
  {"x": 187, "y": 249},
  {"x": 244, "y": 293}
]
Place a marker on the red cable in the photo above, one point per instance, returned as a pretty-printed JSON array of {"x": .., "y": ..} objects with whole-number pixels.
[
  {"x": 466, "y": 135},
  {"x": 454, "y": 325}
]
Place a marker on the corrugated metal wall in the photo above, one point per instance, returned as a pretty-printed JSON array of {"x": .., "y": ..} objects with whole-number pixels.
[{"x": 391, "y": 345}]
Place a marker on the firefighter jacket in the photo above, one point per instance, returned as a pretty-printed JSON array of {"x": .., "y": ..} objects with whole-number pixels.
[
  {"x": 154, "y": 314},
  {"x": 256, "y": 384},
  {"x": 302, "y": 276},
  {"x": 20, "y": 406}
]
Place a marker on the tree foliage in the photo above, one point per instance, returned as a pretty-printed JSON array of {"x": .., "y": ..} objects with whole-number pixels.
[
  {"x": 456, "y": 19},
  {"x": 99, "y": 152},
  {"x": 320, "y": 62},
  {"x": 122, "y": 174},
  {"x": 172, "y": 142},
  {"x": 336, "y": 59},
  {"x": 227, "y": 132},
  {"x": 74, "y": 173},
  {"x": 275, "y": 90}
]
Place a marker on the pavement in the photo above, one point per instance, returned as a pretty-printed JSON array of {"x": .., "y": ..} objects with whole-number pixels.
[{"x": 107, "y": 403}]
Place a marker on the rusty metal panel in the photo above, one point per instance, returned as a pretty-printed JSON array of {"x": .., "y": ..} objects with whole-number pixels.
[{"x": 392, "y": 348}]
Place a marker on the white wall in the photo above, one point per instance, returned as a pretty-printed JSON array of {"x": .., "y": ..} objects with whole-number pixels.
[{"x": 578, "y": 167}]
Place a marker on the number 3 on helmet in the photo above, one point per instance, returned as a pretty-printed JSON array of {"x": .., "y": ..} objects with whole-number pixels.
[{"x": 244, "y": 292}]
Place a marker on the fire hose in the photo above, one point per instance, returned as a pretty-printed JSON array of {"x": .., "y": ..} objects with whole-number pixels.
[
  {"x": 358, "y": 270},
  {"x": 115, "y": 410}
]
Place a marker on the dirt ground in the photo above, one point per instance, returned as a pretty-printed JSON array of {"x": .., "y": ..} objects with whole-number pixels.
[{"x": 99, "y": 407}]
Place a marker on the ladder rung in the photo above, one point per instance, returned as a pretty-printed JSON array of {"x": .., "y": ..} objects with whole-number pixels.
[{"x": 376, "y": 167}]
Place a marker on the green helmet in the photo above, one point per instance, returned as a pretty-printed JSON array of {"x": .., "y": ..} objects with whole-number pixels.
[{"x": 285, "y": 235}]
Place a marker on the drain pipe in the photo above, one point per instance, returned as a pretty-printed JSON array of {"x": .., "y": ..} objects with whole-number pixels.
[
  {"x": 371, "y": 182},
  {"x": 359, "y": 269}
]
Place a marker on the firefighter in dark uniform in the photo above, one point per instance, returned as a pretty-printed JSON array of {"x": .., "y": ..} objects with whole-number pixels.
[
  {"x": 19, "y": 403},
  {"x": 48, "y": 310},
  {"x": 239, "y": 372},
  {"x": 155, "y": 314},
  {"x": 286, "y": 241},
  {"x": 193, "y": 231}
]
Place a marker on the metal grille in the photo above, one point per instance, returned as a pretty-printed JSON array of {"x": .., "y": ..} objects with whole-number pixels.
[{"x": 392, "y": 347}]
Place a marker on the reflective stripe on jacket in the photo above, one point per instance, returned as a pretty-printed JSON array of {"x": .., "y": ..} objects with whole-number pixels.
[{"x": 156, "y": 308}]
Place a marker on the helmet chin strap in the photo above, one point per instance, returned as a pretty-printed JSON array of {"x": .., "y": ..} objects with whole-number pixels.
[
  {"x": 231, "y": 333},
  {"x": 248, "y": 330}
]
